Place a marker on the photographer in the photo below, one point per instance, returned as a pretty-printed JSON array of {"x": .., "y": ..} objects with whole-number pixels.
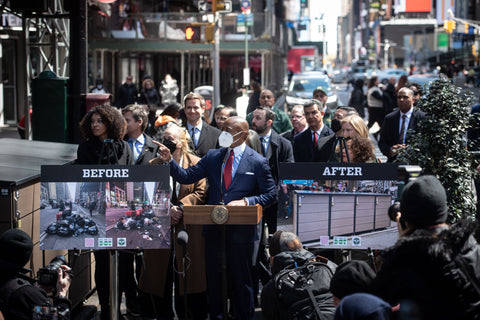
[
  {"x": 433, "y": 268},
  {"x": 18, "y": 296}
]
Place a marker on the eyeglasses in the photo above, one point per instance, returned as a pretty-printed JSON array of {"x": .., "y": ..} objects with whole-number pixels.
[{"x": 296, "y": 117}]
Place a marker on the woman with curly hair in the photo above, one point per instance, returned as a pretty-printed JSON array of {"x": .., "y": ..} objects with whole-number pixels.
[
  {"x": 360, "y": 150},
  {"x": 103, "y": 127},
  {"x": 99, "y": 124}
]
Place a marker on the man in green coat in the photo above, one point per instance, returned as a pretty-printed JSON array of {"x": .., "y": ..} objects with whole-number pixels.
[{"x": 282, "y": 122}]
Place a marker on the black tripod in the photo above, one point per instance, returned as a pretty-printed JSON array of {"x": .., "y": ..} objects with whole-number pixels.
[{"x": 342, "y": 143}]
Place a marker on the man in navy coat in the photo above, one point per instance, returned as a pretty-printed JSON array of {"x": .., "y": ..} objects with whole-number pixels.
[
  {"x": 306, "y": 142},
  {"x": 251, "y": 183}
]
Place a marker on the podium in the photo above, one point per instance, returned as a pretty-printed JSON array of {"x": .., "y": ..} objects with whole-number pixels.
[
  {"x": 236, "y": 214},
  {"x": 222, "y": 215}
]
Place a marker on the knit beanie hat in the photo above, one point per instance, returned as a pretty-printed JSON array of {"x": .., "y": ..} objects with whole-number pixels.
[
  {"x": 351, "y": 277},
  {"x": 424, "y": 202},
  {"x": 363, "y": 306},
  {"x": 16, "y": 246}
]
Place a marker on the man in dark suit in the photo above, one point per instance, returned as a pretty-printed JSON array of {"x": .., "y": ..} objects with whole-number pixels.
[
  {"x": 299, "y": 123},
  {"x": 276, "y": 149},
  {"x": 394, "y": 130},
  {"x": 237, "y": 176},
  {"x": 144, "y": 150},
  {"x": 305, "y": 142},
  {"x": 204, "y": 136},
  {"x": 141, "y": 144}
]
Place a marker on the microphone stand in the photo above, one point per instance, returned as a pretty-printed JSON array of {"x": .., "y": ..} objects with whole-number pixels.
[
  {"x": 223, "y": 248},
  {"x": 183, "y": 242}
]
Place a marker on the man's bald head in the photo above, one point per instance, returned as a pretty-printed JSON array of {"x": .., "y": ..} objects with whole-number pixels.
[{"x": 238, "y": 128}]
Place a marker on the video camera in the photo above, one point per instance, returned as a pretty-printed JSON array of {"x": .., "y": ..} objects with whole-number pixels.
[
  {"x": 48, "y": 275},
  {"x": 405, "y": 174}
]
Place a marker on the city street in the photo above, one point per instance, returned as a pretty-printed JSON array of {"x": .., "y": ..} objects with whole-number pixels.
[
  {"x": 55, "y": 242},
  {"x": 154, "y": 234}
]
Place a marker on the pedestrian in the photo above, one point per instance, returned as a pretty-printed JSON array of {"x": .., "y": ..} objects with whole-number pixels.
[
  {"x": 253, "y": 101},
  {"x": 150, "y": 97},
  {"x": 127, "y": 93},
  {"x": 99, "y": 88},
  {"x": 357, "y": 98},
  {"x": 376, "y": 112}
]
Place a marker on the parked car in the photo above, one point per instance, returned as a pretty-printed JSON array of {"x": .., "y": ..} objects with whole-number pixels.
[
  {"x": 339, "y": 75},
  {"x": 302, "y": 86},
  {"x": 425, "y": 80},
  {"x": 384, "y": 75}
]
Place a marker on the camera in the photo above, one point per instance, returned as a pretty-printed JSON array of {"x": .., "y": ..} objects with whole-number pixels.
[
  {"x": 405, "y": 174},
  {"x": 48, "y": 275}
]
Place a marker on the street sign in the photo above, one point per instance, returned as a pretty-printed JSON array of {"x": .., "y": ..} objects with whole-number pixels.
[{"x": 245, "y": 6}]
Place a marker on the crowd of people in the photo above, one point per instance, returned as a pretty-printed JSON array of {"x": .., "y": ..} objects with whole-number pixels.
[
  {"x": 235, "y": 161},
  {"x": 232, "y": 161}
]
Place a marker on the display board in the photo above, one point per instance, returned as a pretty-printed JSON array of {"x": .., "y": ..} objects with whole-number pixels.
[
  {"x": 104, "y": 207},
  {"x": 337, "y": 205}
]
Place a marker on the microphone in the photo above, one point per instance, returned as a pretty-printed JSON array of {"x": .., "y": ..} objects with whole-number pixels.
[
  {"x": 182, "y": 237},
  {"x": 336, "y": 125}
]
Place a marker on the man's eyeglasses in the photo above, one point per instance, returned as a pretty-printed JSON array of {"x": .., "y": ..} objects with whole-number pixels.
[{"x": 296, "y": 117}]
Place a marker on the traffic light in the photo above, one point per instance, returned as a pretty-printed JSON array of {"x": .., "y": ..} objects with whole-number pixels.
[
  {"x": 449, "y": 25},
  {"x": 221, "y": 6},
  {"x": 193, "y": 33},
  {"x": 210, "y": 32}
]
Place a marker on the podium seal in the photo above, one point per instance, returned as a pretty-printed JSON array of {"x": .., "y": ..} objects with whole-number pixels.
[{"x": 219, "y": 215}]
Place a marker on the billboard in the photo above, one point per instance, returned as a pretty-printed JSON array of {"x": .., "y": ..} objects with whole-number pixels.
[
  {"x": 105, "y": 207},
  {"x": 343, "y": 206},
  {"x": 413, "y": 6}
]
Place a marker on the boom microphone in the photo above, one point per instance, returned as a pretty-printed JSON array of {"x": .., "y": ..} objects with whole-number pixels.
[{"x": 182, "y": 237}]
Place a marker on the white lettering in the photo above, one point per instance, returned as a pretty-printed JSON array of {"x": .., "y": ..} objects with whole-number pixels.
[
  {"x": 109, "y": 173},
  {"x": 358, "y": 171},
  {"x": 342, "y": 171}
]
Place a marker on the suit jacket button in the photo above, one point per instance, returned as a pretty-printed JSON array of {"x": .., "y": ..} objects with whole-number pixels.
[{"x": 226, "y": 194}]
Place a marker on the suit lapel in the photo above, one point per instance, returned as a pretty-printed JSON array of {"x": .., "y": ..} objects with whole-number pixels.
[
  {"x": 203, "y": 135},
  {"x": 243, "y": 165},
  {"x": 273, "y": 145}
]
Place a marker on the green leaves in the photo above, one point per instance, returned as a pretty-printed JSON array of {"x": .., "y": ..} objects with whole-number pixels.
[{"x": 440, "y": 145}]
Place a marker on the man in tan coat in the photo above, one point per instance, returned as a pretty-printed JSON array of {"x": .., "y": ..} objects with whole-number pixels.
[{"x": 157, "y": 275}]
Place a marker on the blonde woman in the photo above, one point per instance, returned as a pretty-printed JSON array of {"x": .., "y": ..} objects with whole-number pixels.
[
  {"x": 354, "y": 126},
  {"x": 156, "y": 275}
]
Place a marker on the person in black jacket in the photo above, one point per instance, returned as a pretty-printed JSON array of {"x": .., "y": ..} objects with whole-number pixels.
[
  {"x": 276, "y": 149},
  {"x": 104, "y": 128},
  {"x": 286, "y": 252},
  {"x": 149, "y": 96},
  {"x": 18, "y": 296},
  {"x": 127, "y": 93},
  {"x": 357, "y": 98},
  {"x": 253, "y": 101},
  {"x": 433, "y": 267}
]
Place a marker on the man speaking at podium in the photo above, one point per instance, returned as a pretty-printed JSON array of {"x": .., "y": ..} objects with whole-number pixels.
[{"x": 237, "y": 176}]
